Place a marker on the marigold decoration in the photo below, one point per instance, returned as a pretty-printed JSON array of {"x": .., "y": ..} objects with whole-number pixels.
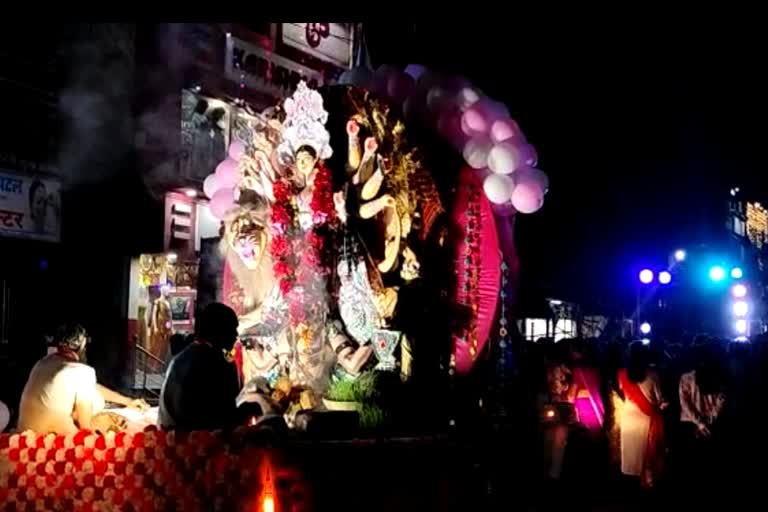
[{"x": 299, "y": 256}]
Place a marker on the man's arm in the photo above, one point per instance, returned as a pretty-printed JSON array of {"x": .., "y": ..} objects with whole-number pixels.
[
  {"x": 115, "y": 397},
  {"x": 83, "y": 413}
]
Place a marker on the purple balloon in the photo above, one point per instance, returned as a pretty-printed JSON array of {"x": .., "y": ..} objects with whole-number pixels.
[
  {"x": 222, "y": 201},
  {"x": 226, "y": 173},
  {"x": 210, "y": 185},
  {"x": 530, "y": 157},
  {"x": 531, "y": 175},
  {"x": 236, "y": 150},
  {"x": 527, "y": 197},
  {"x": 400, "y": 86},
  {"x": 415, "y": 70}
]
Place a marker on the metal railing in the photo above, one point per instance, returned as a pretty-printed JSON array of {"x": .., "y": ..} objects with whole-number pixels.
[{"x": 148, "y": 371}]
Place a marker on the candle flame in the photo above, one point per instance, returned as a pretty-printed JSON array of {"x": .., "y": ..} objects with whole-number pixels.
[
  {"x": 268, "y": 504},
  {"x": 252, "y": 421}
]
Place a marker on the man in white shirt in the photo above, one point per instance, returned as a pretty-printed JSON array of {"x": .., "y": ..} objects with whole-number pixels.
[{"x": 61, "y": 394}]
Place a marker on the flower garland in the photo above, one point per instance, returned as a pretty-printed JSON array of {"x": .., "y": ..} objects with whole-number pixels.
[{"x": 299, "y": 257}]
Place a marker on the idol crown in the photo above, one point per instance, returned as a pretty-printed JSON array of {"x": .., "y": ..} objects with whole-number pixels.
[{"x": 304, "y": 123}]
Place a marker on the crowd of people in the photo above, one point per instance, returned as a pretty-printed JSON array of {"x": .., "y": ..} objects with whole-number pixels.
[{"x": 651, "y": 416}]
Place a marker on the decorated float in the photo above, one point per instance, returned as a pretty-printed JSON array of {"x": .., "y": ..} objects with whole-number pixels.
[{"x": 366, "y": 233}]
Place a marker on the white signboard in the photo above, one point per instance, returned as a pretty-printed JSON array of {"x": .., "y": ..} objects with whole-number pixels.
[
  {"x": 267, "y": 73},
  {"x": 30, "y": 207},
  {"x": 329, "y": 42}
]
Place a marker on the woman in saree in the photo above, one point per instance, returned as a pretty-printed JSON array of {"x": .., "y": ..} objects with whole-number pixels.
[{"x": 642, "y": 426}]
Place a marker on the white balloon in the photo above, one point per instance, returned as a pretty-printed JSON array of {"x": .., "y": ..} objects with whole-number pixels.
[
  {"x": 466, "y": 97},
  {"x": 505, "y": 158},
  {"x": 476, "y": 151},
  {"x": 498, "y": 188}
]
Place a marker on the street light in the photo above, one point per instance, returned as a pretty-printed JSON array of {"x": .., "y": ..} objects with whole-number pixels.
[
  {"x": 646, "y": 276},
  {"x": 739, "y": 291},
  {"x": 680, "y": 255},
  {"x": 665, "y": 277},
  {"x": 645, "y": 328},
  {"x": 717, "y": 273},
  {"x": 740, "y": 308}
]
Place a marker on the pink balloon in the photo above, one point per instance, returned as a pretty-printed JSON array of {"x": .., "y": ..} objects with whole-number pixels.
[
  {"x": 474, "y": 122},
  {"x": 527, "y": 197},
  {"x": 505, "y": 129},
  {"x": 226, "y": 173},
  {"x": 236, "y": 150},
  {"x": 221, "y": 202},
  {"x": 400, "y": 86},
  {"x": 210, "y": 185}
]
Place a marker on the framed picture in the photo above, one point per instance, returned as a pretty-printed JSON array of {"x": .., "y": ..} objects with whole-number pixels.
[{"x": 182, "y": 308}]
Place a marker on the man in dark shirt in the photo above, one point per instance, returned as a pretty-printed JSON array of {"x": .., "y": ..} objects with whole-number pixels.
[{"x": 201, "y": 385}]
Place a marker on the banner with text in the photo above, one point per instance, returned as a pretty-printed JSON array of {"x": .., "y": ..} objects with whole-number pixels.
[
  {"x": 30, "y": 207},
  {"x": 266, "y": 72}
]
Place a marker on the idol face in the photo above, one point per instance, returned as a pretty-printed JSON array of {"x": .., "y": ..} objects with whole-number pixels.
[{"x": 305, "y": 164}]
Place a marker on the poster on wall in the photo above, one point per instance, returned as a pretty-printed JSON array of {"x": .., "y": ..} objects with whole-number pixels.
[
  {"x": 329, "y": 42},
  {"x": 204, "y": 134},
  {"x": 30, "y": 207}
]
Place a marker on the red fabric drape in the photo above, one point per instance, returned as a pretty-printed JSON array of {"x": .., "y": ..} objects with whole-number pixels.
[{"x": 653, "y": 462}]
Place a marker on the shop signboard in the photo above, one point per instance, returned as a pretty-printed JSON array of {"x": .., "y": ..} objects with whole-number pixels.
[
  {"x": 264, "y": 72},
  {"x": 30, "y": 207},
  {"x": 329, "y": 42}
]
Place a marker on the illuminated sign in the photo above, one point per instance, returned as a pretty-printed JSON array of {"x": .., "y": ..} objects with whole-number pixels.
[
  {"x": 266, "y": 72},
  {"x": 329, "y": 42},
  {"x": 757, "y": 224}
]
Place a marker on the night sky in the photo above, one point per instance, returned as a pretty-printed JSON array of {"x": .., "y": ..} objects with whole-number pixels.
[{"x": 642, "y": 128}]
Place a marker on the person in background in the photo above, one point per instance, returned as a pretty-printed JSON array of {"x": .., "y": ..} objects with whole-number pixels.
[
  {"x": 5, "y": 417},
  {"x": 61, "y": 394},
  {"x": 642, "y": 434},
  {"x": 201, "y": 385}
]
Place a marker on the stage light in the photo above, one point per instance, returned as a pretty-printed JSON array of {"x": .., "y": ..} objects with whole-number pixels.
[
  {"x": 717, "y": 273},
  {"x": 645, "y": 341},
  {"x": 740, "y": 308},
  {"x": 737, "y": 273},
  {"x": 646, "y": 276},
  {"x": 665, "y": 277},
  {"x": 739, "y": 291},
  {"x": 645, "y": 328},
  {"x": 742, "y": 339},
  {"x": 680, "y": 255},
  {"x": 741, "y": 326}
]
